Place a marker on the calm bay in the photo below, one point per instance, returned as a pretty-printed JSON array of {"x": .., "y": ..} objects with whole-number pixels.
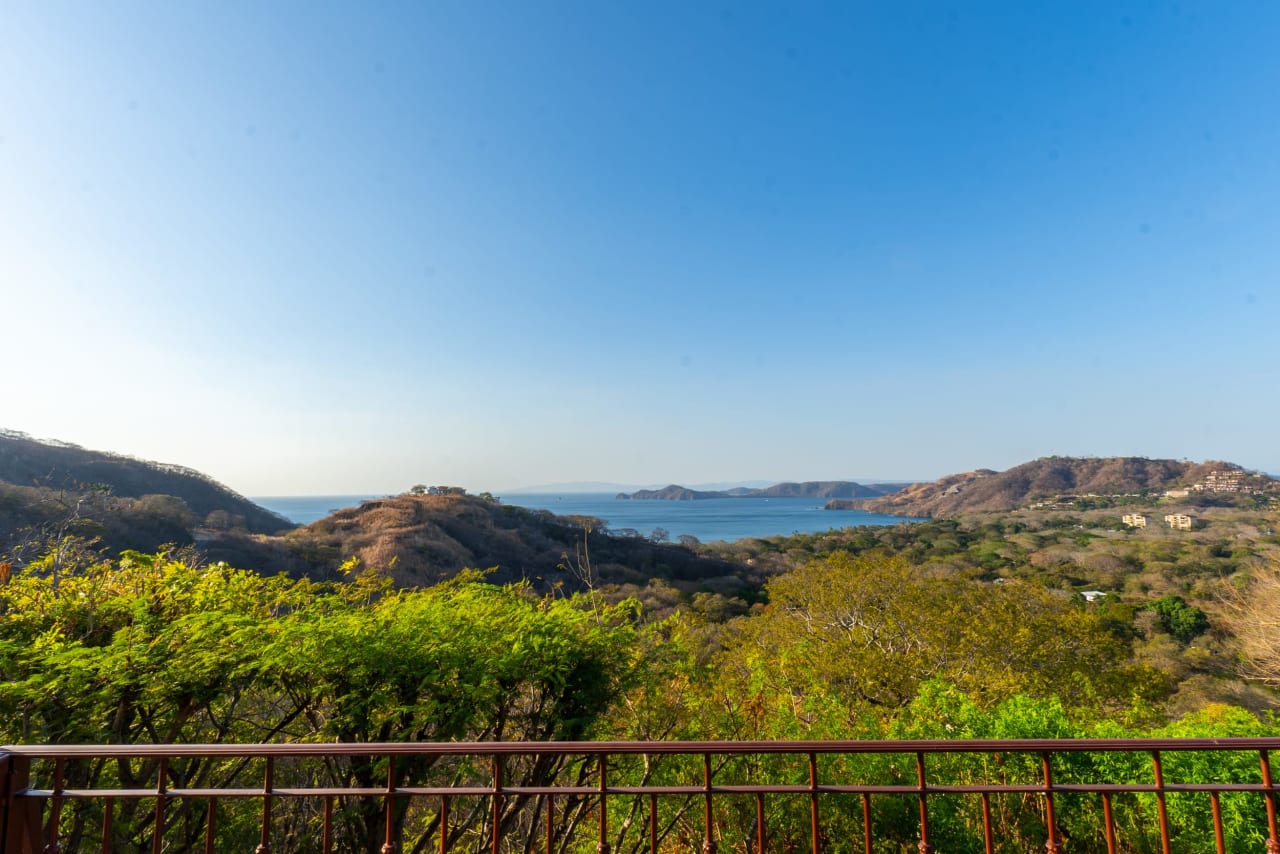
[{"x": 708, "y": 520}]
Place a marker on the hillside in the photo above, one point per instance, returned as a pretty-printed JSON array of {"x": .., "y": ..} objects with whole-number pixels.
[
  {"x": 807, "y": 489},
  {"x": 50, "y": 489},
  {"x": 425, "y": 539},
  {"x": 1046, "y": 479}
]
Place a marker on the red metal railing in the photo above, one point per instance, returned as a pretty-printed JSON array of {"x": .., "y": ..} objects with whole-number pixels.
[{"x": 605, "y": 790}]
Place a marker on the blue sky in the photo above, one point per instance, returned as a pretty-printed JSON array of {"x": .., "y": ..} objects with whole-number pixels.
[{"x": 325, "y": 248}]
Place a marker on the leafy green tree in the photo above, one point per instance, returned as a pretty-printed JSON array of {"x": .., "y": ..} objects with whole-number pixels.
[
  {"x": 1244, "y": 814},
  {"x": 1179, "y": 619},
  {"x": 158, "y": 649},
  {"x": 869, "y": 630}
]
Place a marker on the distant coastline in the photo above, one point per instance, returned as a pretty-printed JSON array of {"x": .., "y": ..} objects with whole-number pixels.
[
  {"x": 707, "y": 520},
  {"x": 826, "y": 489}
]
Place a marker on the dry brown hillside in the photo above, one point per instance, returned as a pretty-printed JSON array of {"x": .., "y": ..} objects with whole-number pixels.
[
  {"x": 1041, "y": 479},
  {"x": 425, "y": 539}
]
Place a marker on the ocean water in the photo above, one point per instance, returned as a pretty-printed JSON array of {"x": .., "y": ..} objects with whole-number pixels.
[
  {"x": 305, "y": 509},
  {"x": 708, "y": 520}
]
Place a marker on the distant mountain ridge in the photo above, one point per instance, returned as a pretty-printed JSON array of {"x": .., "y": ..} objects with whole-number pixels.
[
  {"x": 1044, "y": 479},
  {"x": 807, "y": 489},
  {"x": 598, "y": 486}
]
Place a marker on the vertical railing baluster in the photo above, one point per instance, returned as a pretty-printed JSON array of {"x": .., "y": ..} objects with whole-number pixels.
[
  {"x": 162, "y": 786},
  {"x": 866, "y": 822},
  {"x": 496, "y": 837},
  {"x": 551, "y": 827},
  {"x": 1162, "y": 811},
  {"x": 211, "y": 826},
  {"x": 1109, "y": 822},
  {"x": 1273, "y": 838},
  {"x": 815, "y": 827},
  {"x": 326, "y": 830},
  {"x": 108, "y": 818},
  {"x": 708, "y": 820},
  {"x": 1051, "y": 846},
  {"x": 268, "y": 784},
  {"x": 1215, "y": 807},
  {"x": 389, "y": 834},
  {"x": 759, "y": 822},
  {"x": 22, "y": 829},
  {"x": 925, "y": 847},
  {"x": 988, "y": 841},
  {"x": 602, "y": 847},
  {"x": 444, "y": 824}
]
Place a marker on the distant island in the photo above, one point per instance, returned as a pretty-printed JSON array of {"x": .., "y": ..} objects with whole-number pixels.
[{"x": 807, "y": 489}]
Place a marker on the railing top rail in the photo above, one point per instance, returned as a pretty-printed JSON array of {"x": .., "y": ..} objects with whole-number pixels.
[{"x": 491, "y": 748}]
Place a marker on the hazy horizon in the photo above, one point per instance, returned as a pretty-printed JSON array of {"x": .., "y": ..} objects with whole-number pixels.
[
  {"x": 342, "y": 250},
  {"x": 589, "y": 486},
  {"x": 593, "y": 487}
]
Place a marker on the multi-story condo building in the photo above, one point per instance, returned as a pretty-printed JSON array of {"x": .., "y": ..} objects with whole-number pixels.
[{"x": 1222, "y": 480}]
